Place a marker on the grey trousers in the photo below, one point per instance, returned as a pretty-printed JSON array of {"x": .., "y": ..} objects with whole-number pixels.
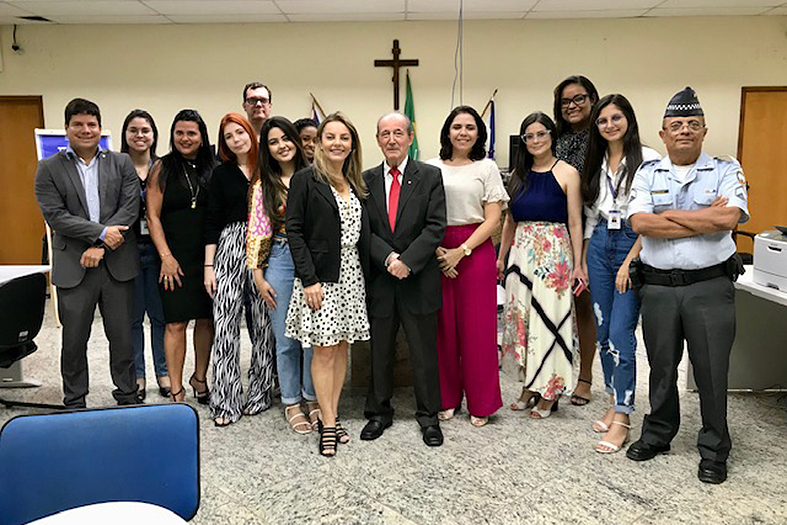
[
  {"x": 702, "y": 314},
  {"x": 77, "y": 305}
]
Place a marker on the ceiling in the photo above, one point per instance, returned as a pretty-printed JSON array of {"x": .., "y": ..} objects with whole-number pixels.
[{"x": 255, "y": 11}]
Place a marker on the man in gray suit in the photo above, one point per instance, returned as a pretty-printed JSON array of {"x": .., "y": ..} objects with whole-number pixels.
[{"x": 90, "y": 197}]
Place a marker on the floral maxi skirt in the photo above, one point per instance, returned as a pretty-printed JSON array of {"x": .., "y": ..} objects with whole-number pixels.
[{"x": 540, "y": 344}]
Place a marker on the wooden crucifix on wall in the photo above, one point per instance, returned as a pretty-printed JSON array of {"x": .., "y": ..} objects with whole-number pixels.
[{"x": 396, "y": 63}]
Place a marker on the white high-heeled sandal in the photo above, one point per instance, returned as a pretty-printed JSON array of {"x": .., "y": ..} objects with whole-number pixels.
[{"x": 611, "y": 448}]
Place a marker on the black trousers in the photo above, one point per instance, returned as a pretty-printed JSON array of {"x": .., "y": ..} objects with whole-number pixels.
[
  {"x": 702, "y": 314},
  {"x": 76, "y": 306},
  {"x": 421, "y": 334}
]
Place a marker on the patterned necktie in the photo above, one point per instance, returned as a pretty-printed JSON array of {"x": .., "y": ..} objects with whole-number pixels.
[{"x": 393, "y": 198}]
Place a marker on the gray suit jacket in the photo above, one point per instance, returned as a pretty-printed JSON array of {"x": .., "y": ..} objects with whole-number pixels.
[{"x": 61, "y": 197}]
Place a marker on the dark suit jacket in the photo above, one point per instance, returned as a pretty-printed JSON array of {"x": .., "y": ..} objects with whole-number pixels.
[
  {"x": 420, "y": 225},
  {"x": 61, "y": 197},
  {"x": 314, "y": 230}
]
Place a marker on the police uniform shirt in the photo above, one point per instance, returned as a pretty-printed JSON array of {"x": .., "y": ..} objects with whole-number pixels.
[{"x": 656, "y": 188}]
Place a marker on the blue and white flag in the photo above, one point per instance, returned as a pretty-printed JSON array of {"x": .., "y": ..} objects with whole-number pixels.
[{"x": 318, "y": 115}]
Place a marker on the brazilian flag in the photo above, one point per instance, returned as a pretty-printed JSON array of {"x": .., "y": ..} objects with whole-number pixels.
[{"x": 409, "y": 110}]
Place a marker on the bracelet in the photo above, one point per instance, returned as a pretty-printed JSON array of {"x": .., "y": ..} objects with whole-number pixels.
[{"x": 162, "y": 255}]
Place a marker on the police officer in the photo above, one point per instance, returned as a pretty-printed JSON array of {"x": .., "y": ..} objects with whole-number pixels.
[{"x": 684, "y": 206}]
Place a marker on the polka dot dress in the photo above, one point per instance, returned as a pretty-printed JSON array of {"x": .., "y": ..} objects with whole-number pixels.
[{"x": 342, "y": 316}]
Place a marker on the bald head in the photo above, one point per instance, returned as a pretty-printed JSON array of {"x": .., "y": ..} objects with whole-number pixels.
[
  {"x": 397, "y": 117},
  {"x": 394, "y": 136}
]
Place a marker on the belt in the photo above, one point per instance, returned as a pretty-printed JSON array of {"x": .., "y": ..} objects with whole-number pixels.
[
  {"x": 651, "y": 275},
  {"x": 281, "y": 239}
]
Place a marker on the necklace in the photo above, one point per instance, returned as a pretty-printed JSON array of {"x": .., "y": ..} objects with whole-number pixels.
[{"x": 194, "y": 194}]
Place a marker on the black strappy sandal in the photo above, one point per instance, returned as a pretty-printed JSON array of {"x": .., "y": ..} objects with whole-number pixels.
[
  {"x": 578, "y": 400},
  {"x": 173, "y": 396},
  {"x": 328, "y": 442},
  {"x": 341, "y": 435},
  {"x": 203, "y": 397}
]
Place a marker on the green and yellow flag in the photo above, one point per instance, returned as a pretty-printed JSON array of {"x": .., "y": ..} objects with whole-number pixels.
[{"x": 409, "y": 110}]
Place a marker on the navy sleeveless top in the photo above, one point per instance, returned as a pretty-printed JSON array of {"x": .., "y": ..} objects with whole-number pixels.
[{"x": 543, "y": 200}]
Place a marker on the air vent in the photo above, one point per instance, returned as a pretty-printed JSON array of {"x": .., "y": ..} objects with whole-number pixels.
[{"x": 34, "y": 18}]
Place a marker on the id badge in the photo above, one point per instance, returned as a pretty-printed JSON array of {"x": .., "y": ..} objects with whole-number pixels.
[
  {"x": 613, "y": 223},
  {"x": 143, "y": 226}
]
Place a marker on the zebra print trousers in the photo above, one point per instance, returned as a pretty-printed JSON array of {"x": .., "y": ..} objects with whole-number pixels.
[{"x": 234, "y": 283}]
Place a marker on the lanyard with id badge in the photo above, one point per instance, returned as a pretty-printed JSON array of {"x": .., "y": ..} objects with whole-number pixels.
[{"x": 615, "y": 215}]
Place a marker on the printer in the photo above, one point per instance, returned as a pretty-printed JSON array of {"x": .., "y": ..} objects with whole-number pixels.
[{"x": 770, "y": 259}]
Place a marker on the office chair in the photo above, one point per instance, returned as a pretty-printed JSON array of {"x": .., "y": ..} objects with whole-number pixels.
[
  {"x": 22, "y": 301},
  {"x": 64, "y": 460}
]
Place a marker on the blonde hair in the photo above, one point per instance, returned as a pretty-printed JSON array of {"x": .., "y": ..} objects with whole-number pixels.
[{"x": 352, "y": 168}]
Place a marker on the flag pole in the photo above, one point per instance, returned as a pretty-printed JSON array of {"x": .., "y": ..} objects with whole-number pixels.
[
  {"x": 488, "y": 103},
  {"x": 314, "y": 99}
]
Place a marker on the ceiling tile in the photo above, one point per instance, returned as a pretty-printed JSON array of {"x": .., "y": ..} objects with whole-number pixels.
[
  {"x": 707, "y": 11},
  {"x": 472, "y": 15},
  {"x": 7, "y": 11},
  {"x": 778, "y": 11},
  {"x": 110, "y": 19},
  {"x": 610, "y": 13},
  {"x": 720, "y": 3},
  {"x": 598, "y": 5},
  {"x": 346, "y": 17},
  {"x": 202, "y": 7},
  {"x": 227, "y": 19},
  {"x": 340, "y": 6},
  {"x": 49, "y": 8},
  {"x": 452, "y": 6}
]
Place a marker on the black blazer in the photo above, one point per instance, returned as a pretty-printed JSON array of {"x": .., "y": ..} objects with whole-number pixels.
[
  {"x": 314, "y": 230},
  {"x": 420, "y": 226}
]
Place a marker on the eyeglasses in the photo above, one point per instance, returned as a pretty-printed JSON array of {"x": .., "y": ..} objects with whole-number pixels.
[
  {"x": 614, "y": 120},
  {"x": 531, "y": 137},
  {"x": 578, "y": 100},
  {"x": 694, "y": 126},
  {"x": 253, "y": 101}
]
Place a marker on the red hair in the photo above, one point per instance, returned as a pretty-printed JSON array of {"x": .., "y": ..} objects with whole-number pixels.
[{"x": 224, "y": 150}]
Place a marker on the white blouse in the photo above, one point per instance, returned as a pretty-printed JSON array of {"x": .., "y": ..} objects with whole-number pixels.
[
  {"x": 605, "y": 202},
  {"x": 468, "y": 188}
]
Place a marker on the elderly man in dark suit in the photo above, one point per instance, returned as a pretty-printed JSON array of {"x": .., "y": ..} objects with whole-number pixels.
[
  {"x": 90, "y": 197},
  {"x": 407, "y": 215}
]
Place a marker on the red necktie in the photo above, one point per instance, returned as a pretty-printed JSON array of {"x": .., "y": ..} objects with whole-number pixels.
[{"x": 393, "y": 198}]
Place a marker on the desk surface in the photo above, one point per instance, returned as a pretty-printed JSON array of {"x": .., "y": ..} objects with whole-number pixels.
[
  {"x": 12, "y": 271},
  {"x": 746, "y": 283}
]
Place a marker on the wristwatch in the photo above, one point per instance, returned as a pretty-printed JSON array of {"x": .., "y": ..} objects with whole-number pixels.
[{"x": 467, "y": 251}]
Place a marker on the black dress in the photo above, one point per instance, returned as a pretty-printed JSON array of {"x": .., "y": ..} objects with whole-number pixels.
[{"x": 184, "y": 228}]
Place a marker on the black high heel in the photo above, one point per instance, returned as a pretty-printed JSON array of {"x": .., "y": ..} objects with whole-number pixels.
[
  {"x": 204, "y": 396},
  {"x": 341, "y": 435},
  {"x": 173, "y": 396},
  {"x": 328, "y": 442}
]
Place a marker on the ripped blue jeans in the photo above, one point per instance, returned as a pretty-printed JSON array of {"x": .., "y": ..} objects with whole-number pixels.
[{"x": 616, "y": 314}]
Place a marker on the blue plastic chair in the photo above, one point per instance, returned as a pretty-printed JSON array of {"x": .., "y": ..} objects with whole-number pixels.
[{"x": 54, "y": 462}]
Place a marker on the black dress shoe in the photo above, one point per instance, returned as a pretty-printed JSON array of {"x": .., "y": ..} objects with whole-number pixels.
[
  {"x": 714, "y": 472},
  {"x": 641, "y": 451},
  {"x": 433, "y": 436},
  {"x": 374, "y": 429}
]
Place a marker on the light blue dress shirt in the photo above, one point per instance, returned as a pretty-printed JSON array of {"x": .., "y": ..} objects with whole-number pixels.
[
  {"x": 656, "y": 188},
  {"x": 88, "y": 174}
]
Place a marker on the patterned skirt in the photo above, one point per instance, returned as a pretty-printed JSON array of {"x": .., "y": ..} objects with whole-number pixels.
[{"x": 540, "y": 344}]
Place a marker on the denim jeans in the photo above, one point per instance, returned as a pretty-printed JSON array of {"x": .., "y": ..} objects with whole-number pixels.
[
  {"x": 147, "y": 299},
  {"x": 616, "y": 314},
  {"x": 293, "y": 362}
]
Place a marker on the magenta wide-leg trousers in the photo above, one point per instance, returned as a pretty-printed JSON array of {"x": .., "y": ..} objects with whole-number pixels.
[{"x": 467, "y": 329}]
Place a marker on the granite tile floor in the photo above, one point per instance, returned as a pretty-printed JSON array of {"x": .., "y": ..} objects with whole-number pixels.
[{"x": 514, "y": 470}]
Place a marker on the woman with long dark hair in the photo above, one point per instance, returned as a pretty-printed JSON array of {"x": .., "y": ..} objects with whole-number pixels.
[
  {"x": 467, "y": 323},
  {"x": 268, "y": 255},
  {"x": 574, "y": 100},
  {"x": 177, "y": 203},
  {"x": 542, "y": 238},
  {"x": 328, "y": 231},
  {"x": 229, "y": 281},
  {"x": 613, "y": 156},
  {"x": 138, "y": 138}
]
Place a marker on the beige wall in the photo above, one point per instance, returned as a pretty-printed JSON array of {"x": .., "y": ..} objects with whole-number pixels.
[{"x": 166, "y": 68}]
